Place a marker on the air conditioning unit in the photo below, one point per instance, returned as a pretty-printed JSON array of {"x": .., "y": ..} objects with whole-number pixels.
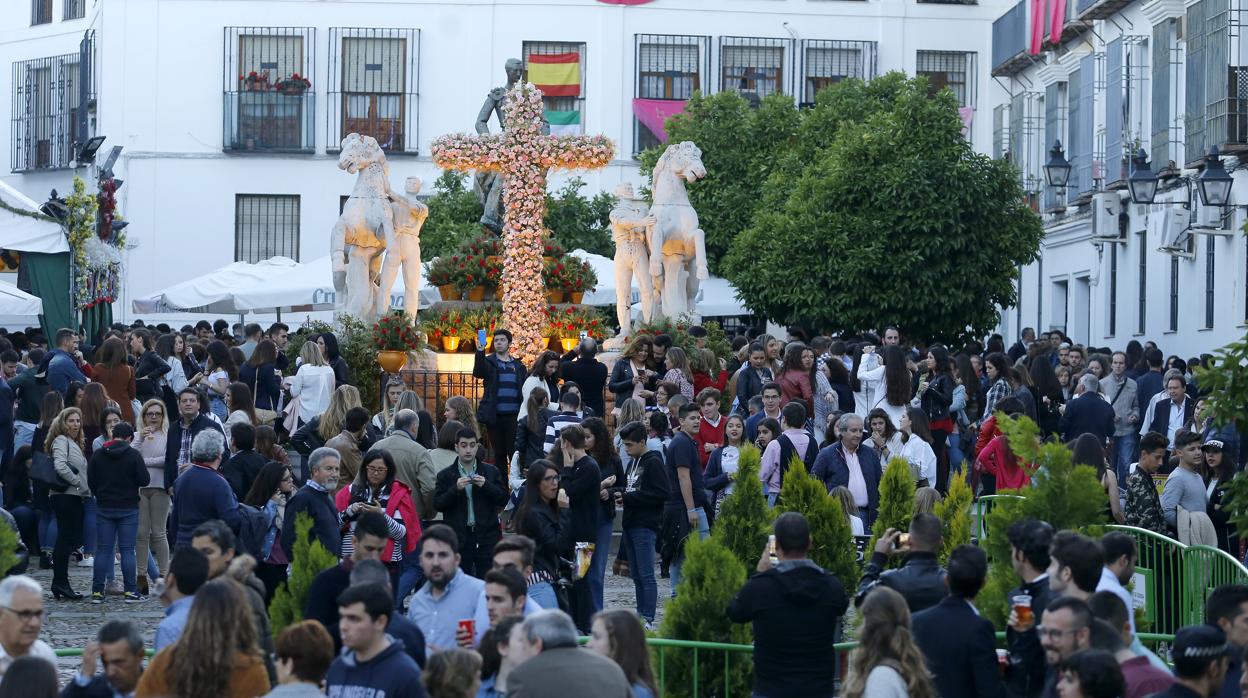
[
  {"x": 1106, "y": 210},
  {"x": 1176, "y": 233},
  {"x": 1209, "y": 221}
]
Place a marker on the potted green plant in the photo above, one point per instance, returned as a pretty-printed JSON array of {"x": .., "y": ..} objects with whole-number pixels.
[
  {"x": 579, "y": 279},
  {"x": 443, "y": 327},
  {"x": 441, "y": 273},
  {"x": 395, "y": 335},
  {"x": 553, "y": 274},
  {"x": 254, "y": 82}
]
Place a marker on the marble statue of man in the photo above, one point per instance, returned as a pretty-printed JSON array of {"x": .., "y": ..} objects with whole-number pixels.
[
  {"x": 630, "y": 220},
  {"x": 488, "y": 185},
  {"x": 403, "y": 249}
]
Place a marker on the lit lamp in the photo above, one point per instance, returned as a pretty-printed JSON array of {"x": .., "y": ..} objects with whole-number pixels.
[
  {"x": 1214, "y": 183},
  {"x": 1057, "y": 169},
  {"x": 1143, "y": 181}
]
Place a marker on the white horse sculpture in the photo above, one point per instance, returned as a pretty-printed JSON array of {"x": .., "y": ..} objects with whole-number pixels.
[
  {"x": 367, "y": 221},
  {"x": 677, "y": 245}
]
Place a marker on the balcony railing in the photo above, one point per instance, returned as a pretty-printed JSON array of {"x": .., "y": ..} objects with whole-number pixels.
[
  {"x": 1098, "y": 9},
  {"x": 269, "y": 121},
  {"x": 1009, "y": 41}
]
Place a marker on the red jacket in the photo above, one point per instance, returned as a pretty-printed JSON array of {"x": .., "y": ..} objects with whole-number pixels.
[
  {"x": 998, "y": 460},
  {"x": 708, "y": 434},
  {"x": 795, "y": 385},
  {"x": 401, "y": 501},
  {"x": 703, "y": 380}
]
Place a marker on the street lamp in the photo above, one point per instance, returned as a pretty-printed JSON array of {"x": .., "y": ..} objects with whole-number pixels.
[
  {"x": 1057, "y": 170},
  {"x": 1214, "y": 183},
  {"x": 1143, "y": 181}
]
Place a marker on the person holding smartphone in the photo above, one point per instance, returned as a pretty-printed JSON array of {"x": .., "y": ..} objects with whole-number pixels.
[{"x": 503, "y": 377}]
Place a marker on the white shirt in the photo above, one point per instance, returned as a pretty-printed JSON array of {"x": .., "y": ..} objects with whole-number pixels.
[
  {"x": 40, "y": 649},
  {"x": 312, "y": 386},
  {"x": 1111, "y": 584},
  {"x": 1176, "y": 416},
  {"x": 857, "y": 483},
  {"x": 919, "y": 454}
]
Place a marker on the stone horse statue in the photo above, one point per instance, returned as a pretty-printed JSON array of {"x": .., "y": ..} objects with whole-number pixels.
[
  {"x": 360, "y": 234},
  {"x": 677, "y": 245}
]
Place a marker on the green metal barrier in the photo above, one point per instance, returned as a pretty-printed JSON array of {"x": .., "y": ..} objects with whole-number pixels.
[{"x": 980, "y": 511}]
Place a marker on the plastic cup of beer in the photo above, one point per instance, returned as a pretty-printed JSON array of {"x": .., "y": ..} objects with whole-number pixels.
[{"x": 1022, "y": 612}]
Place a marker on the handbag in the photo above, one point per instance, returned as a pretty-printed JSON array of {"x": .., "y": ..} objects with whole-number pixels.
[
  {"x": 43, "y": 471},
  {"x": 263, "y": 416},
  {"x": 583, "y": 554}
]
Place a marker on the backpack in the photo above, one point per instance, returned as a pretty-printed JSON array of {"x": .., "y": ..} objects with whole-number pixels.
[
  {"x": 252, "y": 530},
  {"x": 787, "y": 451}
]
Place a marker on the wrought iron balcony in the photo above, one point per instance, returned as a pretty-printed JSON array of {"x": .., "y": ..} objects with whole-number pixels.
[
  {"x": 1009, "y": 41},
  {"x": 269, "y": 121}
]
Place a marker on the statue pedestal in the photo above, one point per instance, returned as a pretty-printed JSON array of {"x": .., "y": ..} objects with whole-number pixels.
[{"x": 608, "y": 358}]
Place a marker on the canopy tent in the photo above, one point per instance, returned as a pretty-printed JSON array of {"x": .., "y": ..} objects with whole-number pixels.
[
  {"x": 44, "y": 251},
  {"x": 716, "y": 298},
  {"x": 604, "y": 292},
  {"x": 309, "y": 286},
  {"x": 215, "y": 291},
  {"x": 15, "y": 302}
]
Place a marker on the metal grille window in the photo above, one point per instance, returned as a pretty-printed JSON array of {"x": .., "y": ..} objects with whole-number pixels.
[
  {"x": 1166, "y": 142},
  {"x": 373, "y": 86},
  {"x": 75, "y": 9},
  {"x": 1225, "y": 76},
  {"x": 1142, "y": 287},
  {"x": 1001, "y": 131},
  {"x": 1112, "y": 328},
  {"x": 952, "y": 69},
  {"x": 40, "y": 12},
  {"x": 268, "y": 88},
  {"x": 755, "y": 67},
  {"x": 1082, "y": 124},
  {"x": 1055, "y": 109},
  {"x": 266, "y": 225},
  {"x": 558, "y": 69},
  {"x": 1194, "y": 101},
  {"x": 47, "y": 97},
  {"x": 1210, "y": 259},
  {"x": 1174, "y": 293},
  {"x": 1025, "y": 149},
  {"x": 669, "y": 67},
  {"x": 1115, "y": 105},
  {"x": 826, "y": 62}
]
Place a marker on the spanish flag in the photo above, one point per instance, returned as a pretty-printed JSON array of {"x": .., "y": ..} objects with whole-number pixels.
[{"x": 556, "y": 74}]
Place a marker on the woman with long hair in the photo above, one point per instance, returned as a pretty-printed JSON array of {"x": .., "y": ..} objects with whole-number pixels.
[
  {"x": 925, "y": 500},
  {"x": 460, "y": 410},
  {"x": 176, "y": 378},
  {"x": 797, "y": 379},
  {"x": 619, "y": 635},
  {"x": 963, "y": 411},
  {"x": 1087, "y": 450},
  {"x": 272, "y": 488},
  {"x": 260, "y": 376},
  {"x": 154, "y": 500},
  {"x": 936, "y": 386},
  {"x": 217, "y": 655},
  {"x": 452, "y": 673},
  {"x": 1047, "y": 393},
  {"x": 112, "y": 371},
  {"x": 65, "y": 444},
  {"x": 313, "y": 384},
  {"x": 709, "y": 371},
  {"x": 767, "y": 431},
  {"x": 1090, "y": 673},
  {"x": 1220, "y": 470},
  {"x": 544, "y": 374},
  {"x": 894, "y": 397},
  {"x": 30, "y": 677},
  {"x": 997, "y": 370},
  {"x": 221, "y": 372},
  {"x": 328, "y": 344},
  {"x": 192, "y": 365},
  {"x": 530, "y": 436},
  {"x": 629, "y": 374},
  {"x": 772, "y": 346},
  {"x": 887, "y": 661},
  {"x": 498, "y": 658},
  {"x": 832, "y": 394},
  {"x": 376, "y": 490},
  {"x": 149, "y": 368},
  {"x": 94, "y": 402},
  {"x": 864, "y": 378},
  {"x": 850, "y": 507},
  {"x": 601, "y": 449},
  {"x": 679, "y": 372},
  {"x": 49, "y": 408},
  {"x": 109, "y": 418},
  {"x": 882, "y": 435},
  {"x": 267, "y": 446},
  {"x": 633, "y": 410},
  {"x": 721, "y": 467},
  {"x": 238, "y": 401},
  {"x": 73, "y": 394},
  {"x": 395, "y": 388},
  {"x": 313, "y": 434},
  {"x": 542, "y": 515},
  {"x": 916, "y": 447}
]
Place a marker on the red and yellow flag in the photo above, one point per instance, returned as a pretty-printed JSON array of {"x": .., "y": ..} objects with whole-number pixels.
[{"x": 556, "y": 74}]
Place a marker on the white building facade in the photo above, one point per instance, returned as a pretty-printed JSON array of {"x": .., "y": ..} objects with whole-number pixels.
[
  {"x": 220, "y": 165},
  {"x": 1166, "y": 76}
]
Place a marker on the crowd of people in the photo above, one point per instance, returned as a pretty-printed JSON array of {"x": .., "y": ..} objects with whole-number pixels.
[{"x": 474, "y": 545}]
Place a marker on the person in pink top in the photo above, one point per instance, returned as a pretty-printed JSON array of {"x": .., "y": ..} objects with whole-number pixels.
[{"x": 794, "y": 440}]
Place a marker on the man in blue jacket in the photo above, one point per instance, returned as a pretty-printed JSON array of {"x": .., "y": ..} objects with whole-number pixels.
[
  {"x": 59, "y": 363},
  {"x": 315, "y": 500},
  {"x": 845, "y": 463},
  {"x": 202, "y": 494},
  {"x": 371, "y": 664}
]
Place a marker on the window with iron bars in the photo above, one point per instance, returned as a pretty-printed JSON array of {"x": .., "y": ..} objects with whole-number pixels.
[
  {"x": 266, "y": 225},
  {"x": 1174, "y": 293},
  {"x": 564, "y": 97},
  {"x": 1210, "y": 260},
  {"x": 46, "y": 102},
  {"x": 40, "y": 12},
  {"x": 268, "y": 86},
  {"x": 952, "y": 69},
  {"x": 754, "y": 66},
  {"x": 75, "y": 9},
  {"x": 1141, "y": 292},
  {"x": 373, "y": 86},
  {"x": 827, "y": 62},
  {"x": 669, "y": 67}
]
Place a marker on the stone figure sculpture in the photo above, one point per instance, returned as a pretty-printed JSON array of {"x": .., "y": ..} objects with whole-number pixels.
[
  {"x": 677, "y": 245},
  {"x": 489, "y": 185},
  {"x": 630, "y": 227},
  {"x": 366, "y": 223},
  {"x": 403, "y": 250}
]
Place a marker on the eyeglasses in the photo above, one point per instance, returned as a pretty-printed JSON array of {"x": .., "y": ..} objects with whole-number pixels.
[
  {"x": 25, "y": 616},
  {"x": 153, "y": 413},
  {"x": 380, "y": 471}
]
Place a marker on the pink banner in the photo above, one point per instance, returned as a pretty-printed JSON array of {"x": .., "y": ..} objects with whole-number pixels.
[
  {"x": 653, "y": 113},
  {"x": 1057, "y": 17},
  {"x": 967, "y": 114},
  {"x": 1037, "y": 26}
]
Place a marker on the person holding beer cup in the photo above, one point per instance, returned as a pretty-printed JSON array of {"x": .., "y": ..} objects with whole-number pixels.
[{"x": 1029, "y": 553}]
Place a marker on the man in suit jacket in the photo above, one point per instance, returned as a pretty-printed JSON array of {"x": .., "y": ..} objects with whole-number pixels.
[
  {"x": 119, "y": 644},
  {"x": 183, "y": 430},
  {"x": 1088, "y": 413},
  {"x": 587, "y": 372},
  {"x": 315, "y": 500},
  {"x": 833, "y": 464},
  {"x": 1170, "y": 409},
  {"x": 963, "y": 663},
  {"x": 552, "y": 664},
  {"x": 470, "y": 494}
]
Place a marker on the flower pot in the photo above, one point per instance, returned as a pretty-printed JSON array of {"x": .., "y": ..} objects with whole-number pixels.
[
  {"x": 576, "y": 296},
  {"x": 450, "y": 344},
  {"x": 554, "y": 295},
  {"x": 568, "y": 343},
  {"x": 294, "y": 91},
  {"x": 449, "y": 292},
  {"x": 476, "y": 294},
  {"x": 391, "y": 361}
]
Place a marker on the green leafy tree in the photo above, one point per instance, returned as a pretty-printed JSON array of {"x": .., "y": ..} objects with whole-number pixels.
[
  {"x": 310, "y": 559},
  {"x": 579, "y": 223},
  {"x": 454, "y": 215},
  {"x": 883, "y": 182},
  {"x": 744, "y": 519},
  {"x": 896, "y": 502},
  {"x": 8, "y": 548},
  {"x": 355, "y": 344},
  {"x": 954, "y": 512},
  {"x": 1226, "y": 383},
  {"x": 832, "y": 540},
  {"x": 740, "y": 147},
  {"x": 710, "y": 577}
]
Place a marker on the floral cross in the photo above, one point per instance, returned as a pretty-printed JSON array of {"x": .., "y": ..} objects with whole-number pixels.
[{"x": 523, "y": 156}]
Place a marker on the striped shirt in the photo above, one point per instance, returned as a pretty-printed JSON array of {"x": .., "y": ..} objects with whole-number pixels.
[
  {"x": 556, "y": 423},
  {"x": 508, "y": 389}
]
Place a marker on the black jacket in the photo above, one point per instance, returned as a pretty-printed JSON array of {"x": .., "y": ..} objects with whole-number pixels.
[
  {"x": 342, "y": 371},
  {"x": 749, "y": 385},
  {"x": 265, "y": 386},
  {"x": 606, "y": 470},
  {"x": 487, "y": 500},
  {"x": 325, "y": 523},
  {"x": 591, "y": 375},
  {"x": 1088, "y": 414},
  {"x": 147, "y": 373},
  {"x": 621, "y": 380},
  {"x": 531, "y": 445},
  {"x": 322, "y": 603},
  {"x": 241, "y": 471},
  {"x": 582, "y": 482},
  {"x": 938, "y": 396},
  {"x": 97, "y": 688},
  {"x": 173, "y": 443},
  {"x": 552, "y": 537},
  {"x": 963, "y": 663},
  {"x": 920, "y": 579},
  {"x": 486, "y": 368},
  {"x": 1025, "y": 673},
  {"x": 643, "y": 505},
  {"x": 1161, "y": 414},
  {"x": 307, "y": 438},
  {"x": 115, "y": 474},
  {"x": 796, "y": 610}
]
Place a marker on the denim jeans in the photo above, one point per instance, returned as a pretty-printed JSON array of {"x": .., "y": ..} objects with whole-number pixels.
[
  {"x": 543, "y": 594},
  {"x": 47, "y": 530},
  {"x": 639, "y": 544},
  {"x": 704, "y": 532},
  {"x": 598, "y": 565},
  {"x": 116, "y": 527},
  {"x": 23, "y": 433},
  {"x": 410, "y": 578},
  {"x": 1124, "y": 453},
  {"x": 89, "y": 510}
]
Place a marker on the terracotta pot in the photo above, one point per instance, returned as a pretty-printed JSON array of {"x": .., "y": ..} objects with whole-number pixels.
[
  {"x": 391, "y": 361},
  {"x": 576, "y": 296},
  {"x": 568, "y": 343},
  {"x": 449, "y": 292},
  {"x": 476, "y": 294},
  {"x": 450, "y": 344},
  {"x": 554, "y": 296}
]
